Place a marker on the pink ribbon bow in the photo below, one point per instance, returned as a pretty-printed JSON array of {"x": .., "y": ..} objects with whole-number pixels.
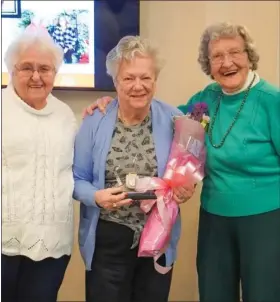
[
  {"x": 185, "y": 166},
  {"x": 155, "y": 236}
]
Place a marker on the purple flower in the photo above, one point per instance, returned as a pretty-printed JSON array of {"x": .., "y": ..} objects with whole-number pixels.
[
  {"x": 201, "y": 106},
  {"x": 197, "y": 111}
]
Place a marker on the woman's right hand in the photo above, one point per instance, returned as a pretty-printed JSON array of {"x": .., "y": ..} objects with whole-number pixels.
[
  {"x": 100, "y": 104},
  {"x": 112, "y": 198}
]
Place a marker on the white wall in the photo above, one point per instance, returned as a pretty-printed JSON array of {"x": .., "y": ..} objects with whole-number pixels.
[{"x": 176, "y": 26}]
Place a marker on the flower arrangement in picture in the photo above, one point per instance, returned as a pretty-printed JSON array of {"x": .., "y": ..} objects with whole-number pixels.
[{"x": 199, "y": 112}]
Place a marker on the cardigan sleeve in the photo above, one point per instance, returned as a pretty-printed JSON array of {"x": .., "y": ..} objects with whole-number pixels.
[{"x": 84, "y": 191}]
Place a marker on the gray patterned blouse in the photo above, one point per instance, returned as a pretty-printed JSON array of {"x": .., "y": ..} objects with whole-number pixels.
[{"x": 132, "y": 150}]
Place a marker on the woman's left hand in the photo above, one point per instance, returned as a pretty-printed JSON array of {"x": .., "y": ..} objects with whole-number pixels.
[{"x": 183, "y": 194}]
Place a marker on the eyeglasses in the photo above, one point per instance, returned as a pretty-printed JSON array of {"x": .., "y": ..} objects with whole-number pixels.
[
  {"x": 28, "y": 70},
  {"x": 131, "y": 81},
  {"x": 235, "y": 54}
]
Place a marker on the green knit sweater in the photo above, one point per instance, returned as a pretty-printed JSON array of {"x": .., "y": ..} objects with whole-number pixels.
[{"x": 243, "y": 176}]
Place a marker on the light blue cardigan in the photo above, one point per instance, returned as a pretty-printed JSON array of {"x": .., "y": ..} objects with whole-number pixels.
[{"x": 91, "y": 148}]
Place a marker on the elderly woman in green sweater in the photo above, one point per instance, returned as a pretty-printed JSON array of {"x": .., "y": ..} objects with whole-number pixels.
[{"x": 239, "y": 225}]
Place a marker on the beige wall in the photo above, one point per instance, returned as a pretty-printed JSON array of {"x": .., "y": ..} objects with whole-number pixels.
[{"x": 176, "y": 27}]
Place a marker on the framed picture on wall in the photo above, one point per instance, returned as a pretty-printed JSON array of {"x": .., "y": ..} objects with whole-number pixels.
[{"x": 10, "y": 9}]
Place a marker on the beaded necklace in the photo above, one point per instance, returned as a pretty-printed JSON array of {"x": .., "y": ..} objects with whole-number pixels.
[{"x": 213, "y": 119}]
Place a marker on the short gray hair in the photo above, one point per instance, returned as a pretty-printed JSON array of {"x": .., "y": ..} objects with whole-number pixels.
[
  {"x": 33, "y": 36},
  {"x": 222, "y": 30},
  {"x": 129, "y": 47}
]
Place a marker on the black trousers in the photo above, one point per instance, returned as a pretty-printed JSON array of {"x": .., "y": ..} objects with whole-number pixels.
[
  {"x": 118, "y": 275},
  {"x": 234, "y": 249},
  {"x": 25, "y": 280}
]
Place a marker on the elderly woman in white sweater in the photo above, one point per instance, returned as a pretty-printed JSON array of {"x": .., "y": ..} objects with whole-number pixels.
[{"x": 37, "y": 155}]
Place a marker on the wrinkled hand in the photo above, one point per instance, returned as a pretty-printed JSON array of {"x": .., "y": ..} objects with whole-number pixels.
[
  {"x": 183, "y": 194},
  {"x": 112, "y": 198},
  {"x": 100, "y": 104}
]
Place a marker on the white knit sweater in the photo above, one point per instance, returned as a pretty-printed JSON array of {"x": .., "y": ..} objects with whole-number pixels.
[{"x": 37, "y": 180}]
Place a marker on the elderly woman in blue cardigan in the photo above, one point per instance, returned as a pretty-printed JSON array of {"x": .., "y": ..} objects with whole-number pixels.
[
  {"x": 239, "y": 222},
  {"x": 109, "y": 151}
]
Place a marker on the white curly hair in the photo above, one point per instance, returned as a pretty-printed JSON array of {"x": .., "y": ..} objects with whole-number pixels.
[
  {"x": 33, "y": 36},
  {"x": 129, "y": 47},
  {"x": 225, "y": 30}
]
